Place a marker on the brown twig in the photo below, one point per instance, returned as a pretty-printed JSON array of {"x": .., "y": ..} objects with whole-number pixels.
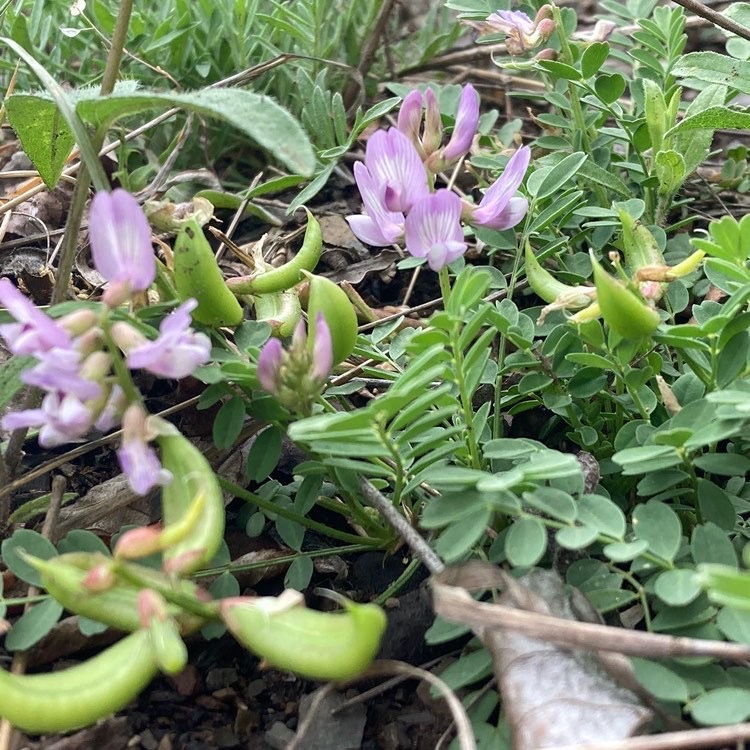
[{"x": 716, "y": 18}]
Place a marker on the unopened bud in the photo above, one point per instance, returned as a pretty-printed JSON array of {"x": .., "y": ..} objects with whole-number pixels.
[
  {"x": 99, "y": 578},
  {"x": 126, "y": 336},
  {"x": 78, "y": 322},
  {"x": 139, "y": 542}
]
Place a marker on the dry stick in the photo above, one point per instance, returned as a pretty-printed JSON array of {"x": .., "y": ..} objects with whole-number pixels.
[
  {"x": 687, "y": 740},
  {"x": 368, "y": 53},
  {"x": 405, "y": 530},
  {"x": 8, "y": 736},
  {"x": 694, "y": 6}
]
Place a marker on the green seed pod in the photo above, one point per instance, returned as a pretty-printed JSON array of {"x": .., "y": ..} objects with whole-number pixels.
[
  {"x": 316, "y": 645},
  {"x": 639, "y": 245},
  {"x": 625, "y": 313},
  {"x": 328, "y": 298},
  {"x": 281, "y": 310},
  {"x": 290, "y": 274},
  {"x": 193, "y": 480},
  {"x": 197, "y": 274},
  {"x": 65, "y": 577},
  {"x": 79, "y": 696},
  {"x": 548, "y": 288}
]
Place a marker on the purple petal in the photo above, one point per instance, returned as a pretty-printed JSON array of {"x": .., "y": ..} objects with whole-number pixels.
[
  {"x": 269, "y": 365},
  {"x": 121, "y": 240},
  {"x": 138, "y": 460},
  {"x": 34, "y": 332},
  {"x": 433, "y": 229},
  {"x": 467, "y": 121},
  {"x": 322, "y": 355},
  {"x": 509, "y": 21},
  {"x": 511, "y": 215},
  {"x": 410, "y": 115},
  {"x": 60, "y": 370},
  {"x": 396, "y": 169},
  {"x": 498, "y": 195},
  {"x": 379, "y": 226},
  {"x": 433, "y": 122},
  {"x": 177, "y": 351}
]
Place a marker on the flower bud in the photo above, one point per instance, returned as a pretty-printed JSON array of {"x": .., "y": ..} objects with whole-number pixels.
[
  {"x": 79, "y": 322},
  {"x": 139, "y": 542},
  {"x": 126, "y": 336}
]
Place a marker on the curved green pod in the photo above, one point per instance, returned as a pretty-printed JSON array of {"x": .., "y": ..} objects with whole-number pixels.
[
  {"x": 625, "y": 313},
  {"x": 317, "y": 645},
  {"x": 81, "y": 695},
  {"x": 290, "y": 274},
  {"x": 193, "y": 479},
  {"x": 197, "y": 275},
  {"x": 64, "y": 577}
]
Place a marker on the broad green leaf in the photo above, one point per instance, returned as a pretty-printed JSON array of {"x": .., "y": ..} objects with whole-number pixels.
[
  {"x": 713, "y": 67},
  {"x": 593, "y": 58},
  {"x": 469, "y": 668},
  {"x": 661, "y": 682},
  {"x": 721, "y": 706},
  {"x": 459, "y": 538},
  {"x": 26, "y": 540},
  {"x": 264, "y": 454},
  {"x": 710, "y": 544},
  {"x": 677, "y": 587},
  {"x": 609, "y": 88},
  {"x": 625, "y": 551},
  {"x": 576, "y": 537},
  {"x": 735, "y": 624},
  {"x": 33, "y": 625},
  {"x": 602, "y": 514},
  {"x": 715, "y": 505},
  {"x": 228, "y": 422},
  {"x": 553, "y": 502},
  {"x": 658, "y": 524},
  {"x": 716, "y": 118},
  {"x": 525, "y": 542},
  {"x": 644, "y": 459},
  {"x": 299, "y": 573},
  {"x": 724, "y": 464},
  {"x": 560, "y": 174},
  {"x": 10, "y": 371}
]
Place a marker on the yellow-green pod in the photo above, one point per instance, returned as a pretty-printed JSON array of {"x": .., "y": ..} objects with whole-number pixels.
[
  {"x": 316, "y": 645},
  {"x": 548, "y": 288},
  {"x": 281, "y": 310},
  {"x": 169, "y": 649},
  {"x": 64, "y": 579},
  {"x": 197, "y": 275},
  {"x": 624, "y": 312},
  {"x": 290, "y": 274},
  {"x": 639, "y": 245},
  {"x": 81, "y": 695},
  {"x": 330, "y": 299},
  {"x": 193, "y": 479}
]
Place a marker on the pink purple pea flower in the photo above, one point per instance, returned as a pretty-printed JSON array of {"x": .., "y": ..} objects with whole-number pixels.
[
  {"x": 378, "y": 226},
  {"x": 296, "y": 376},
  {"x": 521, "y": 32},
  {"x": 500, "y": 208},
  {"x": 433, "y": 229},
  {"x": 175, "y": 353},
  {"x": 467, "y": 122},
  {"x": 137, "y": 458},
  {"x": 121, "y": 245}
]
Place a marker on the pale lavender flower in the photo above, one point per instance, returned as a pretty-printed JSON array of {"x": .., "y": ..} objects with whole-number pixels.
[
  {"x": 467, "y": 121},
  {"x": 138, "y": 460},
  {"x": 378, "y": 226},
  {"x": 522, "y": 34},
  {"x": 396, "y": 169},
  {"x": 269, "y": 365},
  {"x": 322, "y": 352},
  {"x": 499, "y": 209},
  {"x": 33, "y": 333},
  {"x": 178, "y": 349},
  {"x": 410, "y": 117},
  {"x": 62, "y": 418},
  {"x": 433, "y": 229},
  {"x": 121, "y": 244},
  {"x": 433, "y": 122},
  {"x": 61, "y": 370}
]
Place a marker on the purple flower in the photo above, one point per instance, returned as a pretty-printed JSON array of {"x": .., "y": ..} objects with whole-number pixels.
[
  {"x": 61, "y": 370},
  {"x": 269, "y": 365},
  {"x": 378, "y": 226},
  {"x": 62, "y": 418},
  {"x": 499, "y": 209},
  {"x": 522, "y": 34},
  {"x": 467, "y": 121},
  {"x": 121, "y": 243},
  {"x": 177, "y": 351},
  {"x": 33, "y": 332},
  {"x": 433, "y": 229},
  {"x": 322, "y": 350},
  {"x": 396, "y": 168},
  {"x": 410, "y": 117},
  {"x": 137, "y": 458}
]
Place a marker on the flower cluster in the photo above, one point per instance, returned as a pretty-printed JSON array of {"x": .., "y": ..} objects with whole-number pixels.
[
  {"x": 295, "y": 377},
  {"x": 397, "y": 177},
  {"x": 75, "y": 354},
  {"x": 521, "y": 32}
]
